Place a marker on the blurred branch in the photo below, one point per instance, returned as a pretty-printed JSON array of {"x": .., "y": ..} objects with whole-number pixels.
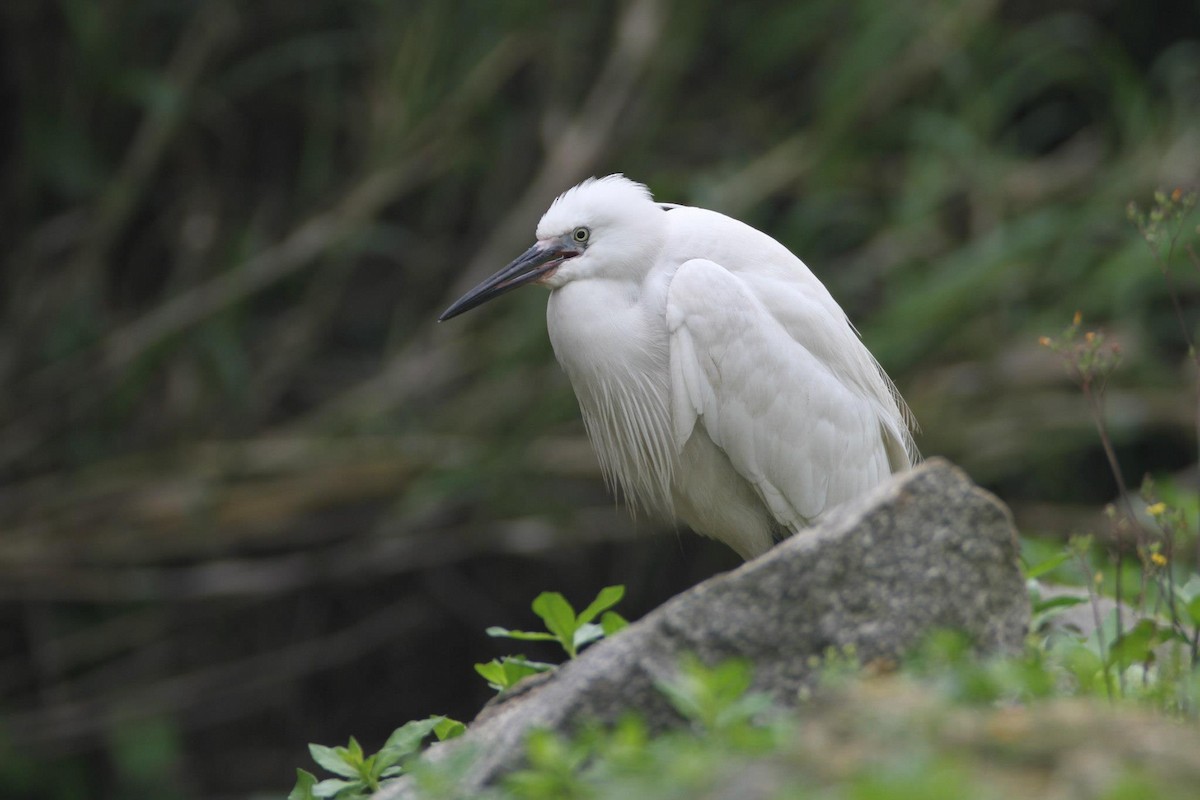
[
  {"x": 794, "y": 156},
  {"x": 355, "y": 560},
  {"x": 73, "y": 385},
  {"x": 771, "y": 172},
  {"x": 1069, "y": 168},
  {"x": 84, "y": 380},
  {"x": 212, "y": 26},
  {"x": 579, "y": 142},
  {"x": 308, "y": 241},
  {"x": 422, "y": 367},
  {"x": 949, "y": 27},
  {"x": 235, "y": 688},
  {"x": 114, "y": 533},
  {"x": 245, "y": 489},
  {"x": 293, "y": 340},
  {"x": 97, "y": 642}
]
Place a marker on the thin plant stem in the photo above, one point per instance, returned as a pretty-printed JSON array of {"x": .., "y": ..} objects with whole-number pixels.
[
  {"x": 1095, "y": 406},
  {"x": 1094, "y": 600}
]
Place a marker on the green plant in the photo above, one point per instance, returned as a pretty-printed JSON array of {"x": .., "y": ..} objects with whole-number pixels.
[
  {"x": 732, "y": 729},
  {"x": 572, "y": 631},
  {"x": 504, "y": 672},
  {"x": 1152, "y": 656},
  {"x": 724, "y": 716},
  {"x": 716, "y": 700},
  {"x": 360, "y": 775},
  {"x": 555, "y": 767}
]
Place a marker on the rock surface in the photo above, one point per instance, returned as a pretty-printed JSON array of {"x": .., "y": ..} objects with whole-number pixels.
[{"x": 927, "y": 550}]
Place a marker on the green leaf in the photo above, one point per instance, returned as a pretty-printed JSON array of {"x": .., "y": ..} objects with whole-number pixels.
[
  {"x": 612, "y": 622},
  {"x": 586, "y": 634},
  {"x": 1193, "y": 610},
  {"x": 525, "y": 636},
  {"x": 1188, "y": 597},
  {"x": 356, "y": 751},
  {"x": 609, "y": 596},
  {"x": 517, "y": 668},
  {"x": 449, "y": 729},
  {"x": 1084, "y": 664},
  {"x": 493, "y": 673},
  {"x": 385, "y": 759},
  {"x": 1062, "y": 601},
  {"x": 303, "y": 790},
  {"x": 502, "y": 674},
  {"x": 714, "y": 698},
  {"x": 525, "y": 663},
  {"x": 1192, "y": 588},
  {"x": 1053, "y": 562},
  {"x": 330, "y": 759},
  {"x": 406, "y": 739},
  {"x": 370, "y": 769},
  {"x": 334, "y": 786},
  {"x": 1136, "y": 645},
  {"x": 559, "y": 617}
]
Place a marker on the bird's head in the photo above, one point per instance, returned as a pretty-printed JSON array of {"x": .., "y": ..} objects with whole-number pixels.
[{"x": 603, "y": 228}]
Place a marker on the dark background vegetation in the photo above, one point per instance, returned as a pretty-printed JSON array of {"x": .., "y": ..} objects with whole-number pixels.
[{"x": 253, "y": 496}]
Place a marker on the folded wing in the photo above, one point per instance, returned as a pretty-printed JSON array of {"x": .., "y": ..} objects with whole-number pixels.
[{"x": 779, "y": 381}]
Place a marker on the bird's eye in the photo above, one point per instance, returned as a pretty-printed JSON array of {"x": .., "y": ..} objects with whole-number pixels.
[{"x": 580, "y": 234}]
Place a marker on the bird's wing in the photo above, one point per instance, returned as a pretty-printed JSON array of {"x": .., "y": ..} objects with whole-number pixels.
[
  {"x": 813, "y": 318},
  {"x": 804, "y": 437}
]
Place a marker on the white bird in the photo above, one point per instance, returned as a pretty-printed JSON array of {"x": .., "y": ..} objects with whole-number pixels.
[{"x": 719, "y": 381}]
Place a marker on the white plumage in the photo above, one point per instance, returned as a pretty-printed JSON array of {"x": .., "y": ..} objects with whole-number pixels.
[{"x": 720, "y": 383}]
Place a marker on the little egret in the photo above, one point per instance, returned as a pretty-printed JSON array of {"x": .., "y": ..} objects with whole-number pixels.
[{"x": 720, "y": 383}]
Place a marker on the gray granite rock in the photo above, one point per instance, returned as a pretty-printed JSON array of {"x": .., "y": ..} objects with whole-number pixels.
[{"x": 927, "y": 550}]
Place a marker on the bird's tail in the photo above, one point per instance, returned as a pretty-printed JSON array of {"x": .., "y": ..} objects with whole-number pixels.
[{"x": 898, "y": 428}]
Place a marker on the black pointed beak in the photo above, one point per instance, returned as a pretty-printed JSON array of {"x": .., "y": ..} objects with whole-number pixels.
[{"x": 537, "y": 261}]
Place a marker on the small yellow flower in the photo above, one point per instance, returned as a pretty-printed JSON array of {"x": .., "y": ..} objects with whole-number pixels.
[
  {"x": 1090, "y": 336},
  {"x": 1158, "y": 559},
  {"x": 1156, "y": 510},
  {"x": 1099, "y": 579},
  {"x": 1044, "y": 341},
  {"x": 1078, "y": 318}
]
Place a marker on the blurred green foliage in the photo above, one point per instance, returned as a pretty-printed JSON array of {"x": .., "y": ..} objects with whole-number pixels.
[{"x": 953, "y": 724}]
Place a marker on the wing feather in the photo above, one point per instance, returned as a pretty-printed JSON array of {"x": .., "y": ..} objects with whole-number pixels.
[{"x": 769, "y": 371}]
